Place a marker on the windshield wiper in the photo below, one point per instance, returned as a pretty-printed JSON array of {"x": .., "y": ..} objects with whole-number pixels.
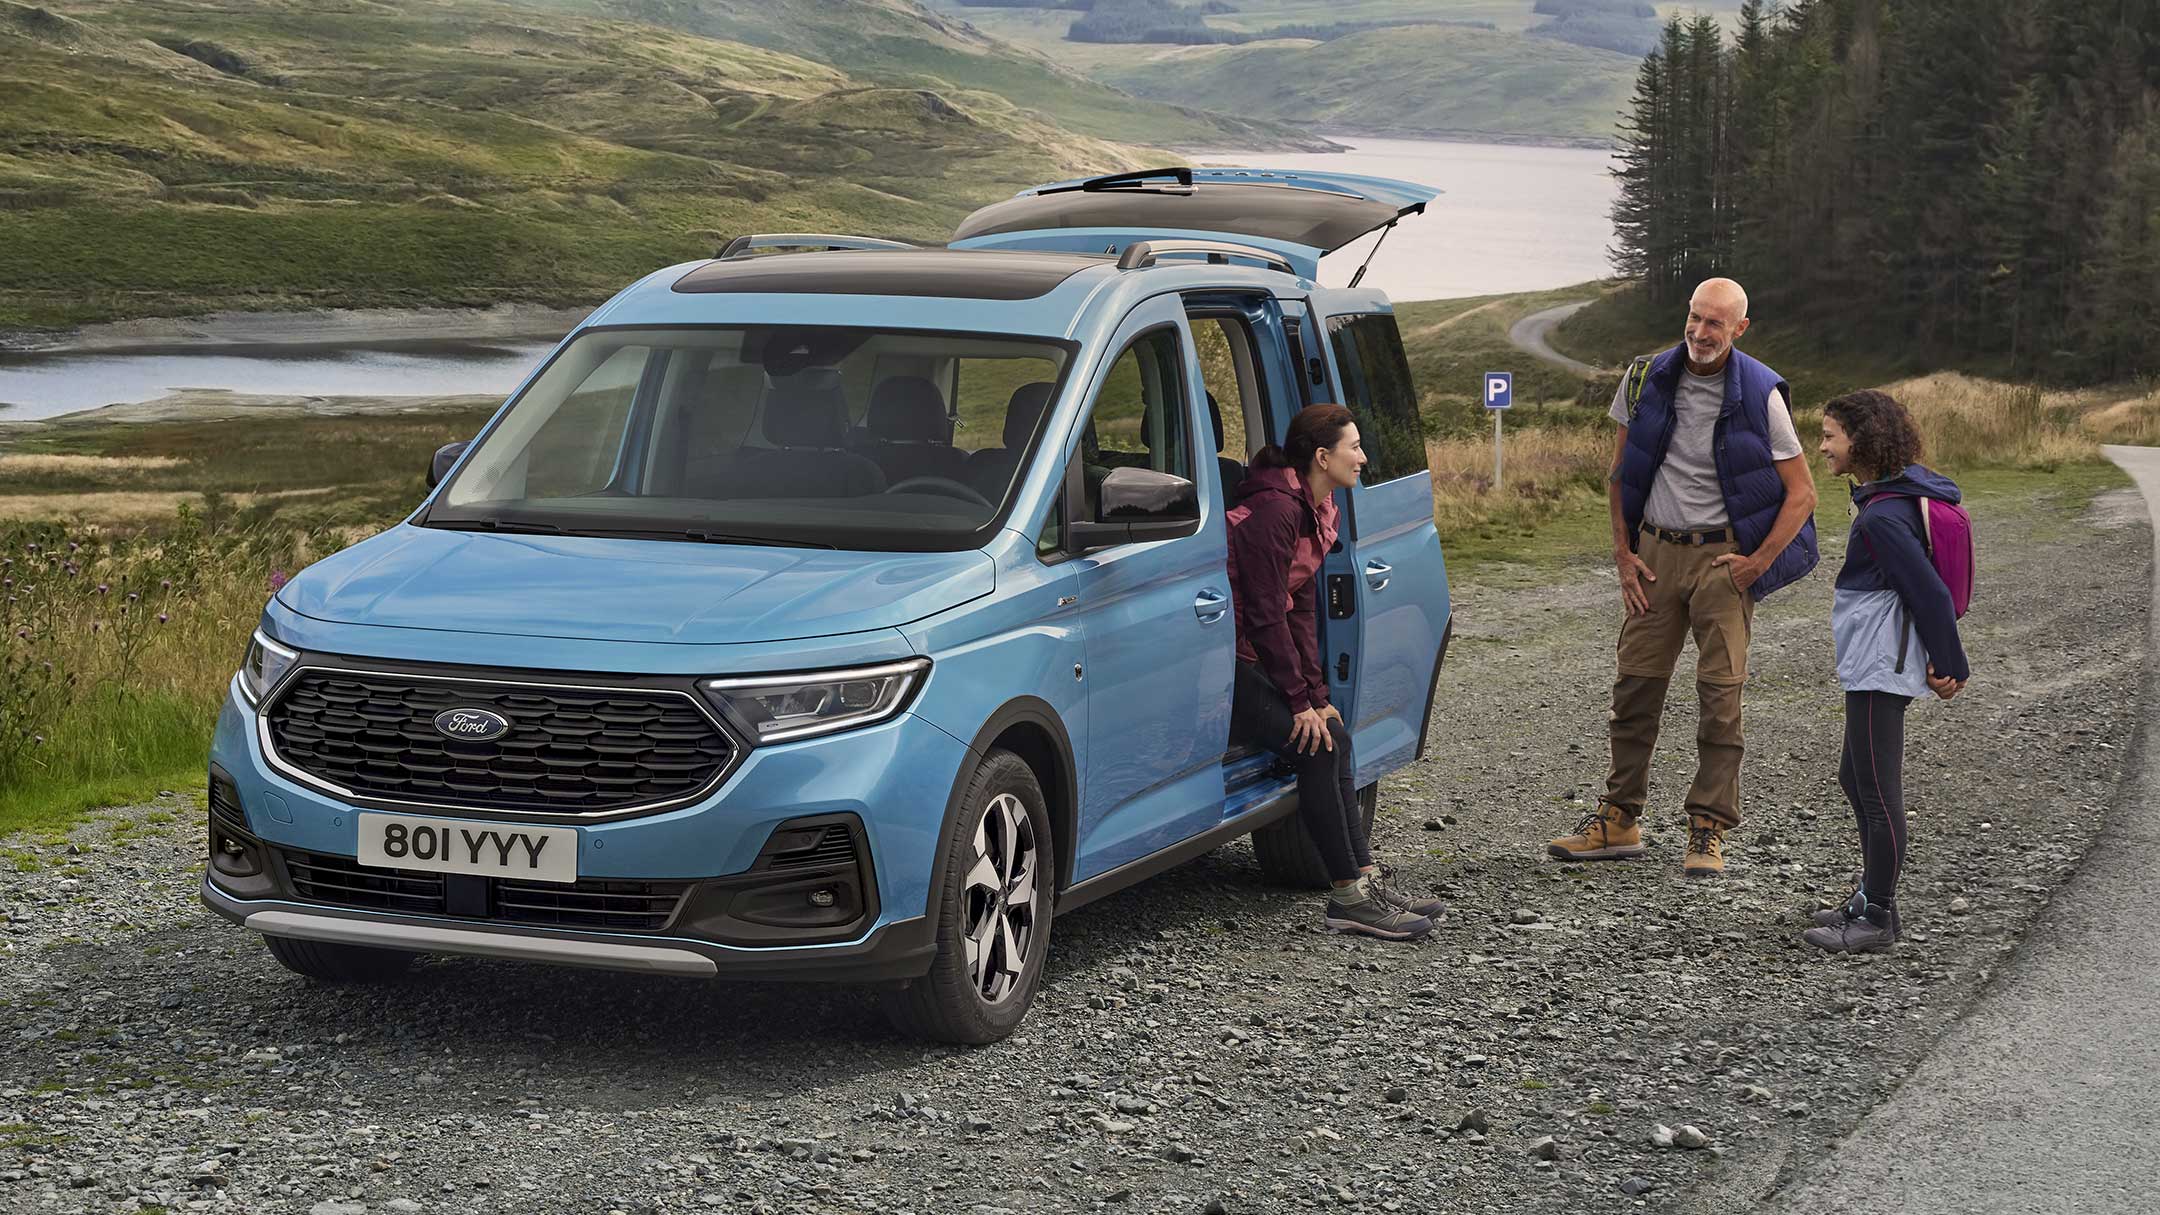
[
  {"x": 497, "y": 525},
  {"x": 708, "y": 537}
]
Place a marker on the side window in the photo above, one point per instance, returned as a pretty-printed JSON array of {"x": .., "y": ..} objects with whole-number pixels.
[
  {"x": 1141, "y": 418},
  {"x": 1376, "y": 378}
]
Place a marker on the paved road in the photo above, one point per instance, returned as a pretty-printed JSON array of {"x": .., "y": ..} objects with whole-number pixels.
[
  {"x": 2044, "y": 1098},
  {"x": 1532, "y": 333}
]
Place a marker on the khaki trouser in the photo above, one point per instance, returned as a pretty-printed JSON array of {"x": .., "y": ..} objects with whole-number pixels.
[{"x": 1690, "y": 595}]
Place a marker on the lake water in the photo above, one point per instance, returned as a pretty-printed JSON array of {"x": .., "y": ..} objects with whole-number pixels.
[{"x": 1513, "y": 218}]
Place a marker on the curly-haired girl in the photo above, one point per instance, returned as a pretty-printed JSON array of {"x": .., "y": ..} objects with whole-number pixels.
[{"x": 1897, "y": 637}]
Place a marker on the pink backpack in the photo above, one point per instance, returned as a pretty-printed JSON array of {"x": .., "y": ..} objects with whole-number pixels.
[{"x": 1947, "y": 528}]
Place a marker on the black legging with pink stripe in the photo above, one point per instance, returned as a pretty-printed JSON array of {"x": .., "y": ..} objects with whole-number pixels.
[{"x": 1872, "y": 773}]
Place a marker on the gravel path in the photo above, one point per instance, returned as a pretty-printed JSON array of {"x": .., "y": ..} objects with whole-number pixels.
[
  {"x": 1197, "y": 1046},
  {"x": 1533, "y": 333}
]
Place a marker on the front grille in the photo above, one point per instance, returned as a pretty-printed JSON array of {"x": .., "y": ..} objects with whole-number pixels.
[
  {"x": 610, "y": 903},
  {"x": 341, "y": 882},
  {"x": 635, "y": 906},
  {"x": 568, "y": 750}
]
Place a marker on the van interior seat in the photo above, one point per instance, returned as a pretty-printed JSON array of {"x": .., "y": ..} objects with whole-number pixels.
[
  {"x": 910, "y": 432},
  {"x": 1232, "y": 471},
  {"x": 805, "y": 417},
  {"x": 991, "y": 469}
]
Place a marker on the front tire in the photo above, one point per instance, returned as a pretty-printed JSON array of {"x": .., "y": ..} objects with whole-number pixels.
[
  {"x": 993, "y": 914},
  {"x": 335, "y": 963},
  {"x": 1287, "y": 853}
]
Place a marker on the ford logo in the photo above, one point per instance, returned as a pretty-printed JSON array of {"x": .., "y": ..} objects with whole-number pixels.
[{"x": 472, "y": 725}]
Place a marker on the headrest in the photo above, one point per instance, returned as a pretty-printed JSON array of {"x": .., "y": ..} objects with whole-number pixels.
[
  {"x": 1024, "y": 410},
  {"x": 731, "y": 400},
  {"x": 907, "y": 409},
  {"x": 1214, "y": 413},
  {"x": 807, "y": 409}
]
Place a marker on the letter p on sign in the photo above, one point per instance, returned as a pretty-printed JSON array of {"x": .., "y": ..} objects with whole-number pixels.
[{"x": 1499, "y": 389}]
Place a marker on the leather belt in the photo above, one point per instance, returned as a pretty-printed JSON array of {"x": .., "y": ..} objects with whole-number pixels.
[{"x": 1714, "y": 536}]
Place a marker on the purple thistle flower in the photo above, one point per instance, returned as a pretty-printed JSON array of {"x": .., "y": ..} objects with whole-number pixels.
[
  {"x": 102, "y": 588},
  {"x": 162, "y": 618},
  {"x": 132, "y": 596},
  {"x": 278, "y": 579}
]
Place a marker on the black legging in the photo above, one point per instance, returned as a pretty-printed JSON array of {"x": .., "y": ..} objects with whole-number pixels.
[
  {"x": 1872, "y": 773},
  {"x": 1327, "y": 793}
]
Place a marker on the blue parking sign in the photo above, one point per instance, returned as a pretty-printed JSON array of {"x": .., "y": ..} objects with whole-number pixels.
[{"x": 1499, "y": 389}]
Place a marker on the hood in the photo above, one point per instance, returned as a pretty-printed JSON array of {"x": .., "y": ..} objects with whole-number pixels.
[
  {"x": 1272, "y": 481},
  {"x": 609, "y": 589},
  {"x": 1917, "y": 481}
]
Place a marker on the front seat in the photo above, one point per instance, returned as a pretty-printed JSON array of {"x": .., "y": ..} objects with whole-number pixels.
[
  {"x": 910, "y": 434},
  {"x": 990, "y": 470},
  {"x": 805, "y": 418},
  {"x": 1231, "y": 472}
]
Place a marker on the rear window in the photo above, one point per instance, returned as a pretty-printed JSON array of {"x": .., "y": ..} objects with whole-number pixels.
[{"x": 1377, "y": 385}]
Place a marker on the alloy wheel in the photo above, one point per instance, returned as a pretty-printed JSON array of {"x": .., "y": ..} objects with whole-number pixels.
[{"x": 1001, "y": 897}]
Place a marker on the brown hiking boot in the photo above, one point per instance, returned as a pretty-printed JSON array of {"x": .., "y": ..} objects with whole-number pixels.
[
  {"x": 1608, "y": 833},
  {"x": 1705, "y": 849}
]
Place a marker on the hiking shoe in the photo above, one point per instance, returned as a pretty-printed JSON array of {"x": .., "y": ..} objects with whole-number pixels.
[
  {"x": 1360, "y": 909},
  {"x": 1705, "y": 850},
  {"x": 1607, "y": 833},
  {"x": 1852, "y": 909},
  {"x": 1872, "y": 931},
  {"x": 1383, "y": 884}
]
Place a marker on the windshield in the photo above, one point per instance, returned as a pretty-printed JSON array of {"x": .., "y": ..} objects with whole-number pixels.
[{"x": 795, "y": 435}]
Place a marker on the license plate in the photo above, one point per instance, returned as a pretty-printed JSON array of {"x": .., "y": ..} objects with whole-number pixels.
[{"x": 533, "y": 854}]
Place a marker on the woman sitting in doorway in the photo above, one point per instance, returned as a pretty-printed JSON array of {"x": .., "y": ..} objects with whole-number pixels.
[{"x": 1280, "y": 532}]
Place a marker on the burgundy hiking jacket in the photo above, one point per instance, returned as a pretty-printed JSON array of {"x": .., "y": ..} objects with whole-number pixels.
[{"x": 1278, "y": 538}]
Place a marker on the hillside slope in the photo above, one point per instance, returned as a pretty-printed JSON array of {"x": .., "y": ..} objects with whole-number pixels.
[
  {"x": 169, "y": 156},
  {"x": 1408, "y": 81}
]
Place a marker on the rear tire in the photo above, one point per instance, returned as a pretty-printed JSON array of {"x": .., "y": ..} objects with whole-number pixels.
[
  {"x": 993, "y": 914},
  {"x": 334, "y": 963},
  {"x": 1287, "y": 853}
]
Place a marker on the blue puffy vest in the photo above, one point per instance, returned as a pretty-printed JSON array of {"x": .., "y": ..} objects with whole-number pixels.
[{"x": 1754, "y": 493}]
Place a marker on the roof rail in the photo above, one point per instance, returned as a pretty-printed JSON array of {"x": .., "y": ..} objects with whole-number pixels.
[
  {"x": 1144, "y": 252},
  {"x": 1123, "y": 181},
  {"x": 806, "y": 240}
]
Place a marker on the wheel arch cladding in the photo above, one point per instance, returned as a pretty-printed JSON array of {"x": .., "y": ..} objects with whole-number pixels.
[{"x": 1031, "y": 729}]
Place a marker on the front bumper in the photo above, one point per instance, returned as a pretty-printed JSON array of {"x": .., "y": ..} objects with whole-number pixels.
[
  {"x": 894, "y": 951},
  {"x": 290, "y": 869}
]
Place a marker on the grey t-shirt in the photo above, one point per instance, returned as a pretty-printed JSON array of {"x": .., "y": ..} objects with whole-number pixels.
[{"x": 1686, "y": 495}]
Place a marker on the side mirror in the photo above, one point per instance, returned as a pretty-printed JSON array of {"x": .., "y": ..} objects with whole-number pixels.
[
  {"x": 445, "y": 457},
  {"x": 1140, "y": 504}
]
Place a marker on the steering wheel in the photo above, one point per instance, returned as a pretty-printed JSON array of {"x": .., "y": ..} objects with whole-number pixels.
[{"x": 939, "y": 485}]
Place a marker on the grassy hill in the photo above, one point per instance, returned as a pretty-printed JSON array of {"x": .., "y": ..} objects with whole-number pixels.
[
  {"x": 160, "y": 157},
  {"x": 1407, "y": 81},
  {"x": 1410, "y": 81},
  {"x": 899, "y": 43}
]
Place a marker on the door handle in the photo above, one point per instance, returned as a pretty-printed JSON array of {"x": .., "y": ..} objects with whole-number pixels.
[
  {"x": 1377, "y": 574},
  {"x": 1210, "y": 605}
]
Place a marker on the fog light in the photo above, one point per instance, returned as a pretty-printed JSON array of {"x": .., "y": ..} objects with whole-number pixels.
[{"x": 822, "y": 898}]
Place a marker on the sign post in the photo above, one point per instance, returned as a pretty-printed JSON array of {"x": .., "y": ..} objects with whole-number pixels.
[{"x": 1499, "y": 396}]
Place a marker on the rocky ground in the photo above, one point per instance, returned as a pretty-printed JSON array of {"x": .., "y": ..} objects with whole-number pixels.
[{"x": 1198, "y": 1046}]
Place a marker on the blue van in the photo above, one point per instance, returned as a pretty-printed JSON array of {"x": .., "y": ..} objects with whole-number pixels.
[{"x": 845, "y": 613}]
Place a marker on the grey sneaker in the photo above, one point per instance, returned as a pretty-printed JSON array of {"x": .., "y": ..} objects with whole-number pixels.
[
  {"x": 1872, "y": 931},
  {"x": 1362, "y": 909},
  {"x": 1383, "y": 884}
]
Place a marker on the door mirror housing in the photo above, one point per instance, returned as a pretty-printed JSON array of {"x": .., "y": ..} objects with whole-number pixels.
[
  {"x": 445, "y": 457},
  {"x": 1138, "y": 505}
]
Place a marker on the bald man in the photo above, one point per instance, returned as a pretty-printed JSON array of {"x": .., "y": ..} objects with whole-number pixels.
[{"x": 1712, "y": 509}]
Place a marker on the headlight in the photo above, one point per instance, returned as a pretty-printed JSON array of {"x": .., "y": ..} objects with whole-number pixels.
[
  {"x": 781, "y": 708},
  {"x": 265, "y": 663}
]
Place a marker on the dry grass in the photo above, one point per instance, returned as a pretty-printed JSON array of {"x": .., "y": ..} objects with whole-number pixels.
[
  {"x": 1969, "y": 422},
  {"x": 100, "y": 467},
  {"x": 120, "y": 506},
  {"x": 1544, "y": 468}
]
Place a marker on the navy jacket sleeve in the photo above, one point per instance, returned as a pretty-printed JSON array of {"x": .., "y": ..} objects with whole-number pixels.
[
  {"x": 1264, "y": 542},
  {"x": 1892, "y": 531}
]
